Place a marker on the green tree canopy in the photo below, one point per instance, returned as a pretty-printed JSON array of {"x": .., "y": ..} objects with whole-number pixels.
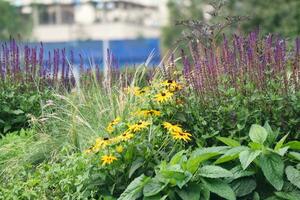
[
  {"x": 12, "y": 23},
  {"x": 272, "y": 16}
]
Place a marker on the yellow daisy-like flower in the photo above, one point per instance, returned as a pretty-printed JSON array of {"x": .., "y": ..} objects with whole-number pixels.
[
  {"x": 142, "y": 91},
  {"x": 88, "y": 151},
  {"x": 138, "y": 126},
  {"x": 163, "y": 96},
  {"x": 132, "y": 90},
  {"x": 126, "y": 136},
  {"x": 172, "y": 85},
  {"x": 108, "y": 159},
  {"x": 172, "y": 128},
  {"x": 146, "y": 113},
  {"x": 100, "y": 144},
  {"x": 137, "y": 91},
  {"x": 110, "y": 127},
  {"x": 119, "y": 149},
  {"x": 181, "y": 136}
]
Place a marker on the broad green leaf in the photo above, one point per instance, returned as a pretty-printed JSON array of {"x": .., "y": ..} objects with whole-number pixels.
[
  {"x": 157, "y": 197},
  {"x": 293, "y": 175},
  {"x": 229, "y": 141},
  {"x": 292, "y": 195},
  {"x": 153, "y": 187},
  {"x": 212, "y": 171},
  {"x": 280, "y": 143},
  {"x": 258, "y": 134},
  {"x": 273, "y": 169},
  {"x": 135, "y": 188},
  {"x": 175, "y": 175},
  {"x": 246, "y": 157},
  {"x": 243, "y": 186},
  {"x": 191, "y": 192},
  {"x": 295, "y": 145},
  {"x": 256, "y": 196},
  {"x": 294, "y": 155},
  {"x": 219, "y": 187},
  {"x": 256, "y": 146},
  {"x": 177, "y": 158},
  {"x": 282, "y": 151},
  {"x": 17, "y": 112},
  {"x": 135, "y": 165},
  {"x": 272, "y": 135},
  {"x": 203, "y": 154},
  {"x": 204, "y": 193},
  {"x": 238, "y": 172},
  {"x": 231, "y": 154}
]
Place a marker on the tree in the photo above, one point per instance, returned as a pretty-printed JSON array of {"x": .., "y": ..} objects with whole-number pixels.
[
  {"x": 180, "y": 10},
  {"x": 272, "y": 16},
  {"x": 12, "y": 23}
]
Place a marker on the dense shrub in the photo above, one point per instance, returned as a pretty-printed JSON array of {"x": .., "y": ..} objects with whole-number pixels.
[{"x": 18, "y": 102}]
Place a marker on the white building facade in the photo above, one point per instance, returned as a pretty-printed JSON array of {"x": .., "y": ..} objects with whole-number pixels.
[{"x": 69, "y": 20}]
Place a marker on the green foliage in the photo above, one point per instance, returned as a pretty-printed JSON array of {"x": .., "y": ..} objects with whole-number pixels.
[
  {"x": 18, "y": 104},
  {"x": 12, "y": 23},
  {"x": 258, "y": 172},
  {"x": 178, "y": 11}
]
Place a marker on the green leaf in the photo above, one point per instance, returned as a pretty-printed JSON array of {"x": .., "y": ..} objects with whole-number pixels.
[
  {"x": 293, "y": 175},
  {"x": 293, "y": 195},
  {"x": 295, "y": 145},
  {"x": 220, "y": 188},
  {"x": 231, "y": 154},
  {"x": 243, "y": 187},
  {"x": 135, "y": 188},
  {"x": 280, "y": 143},
  {"x": 246, "y": 157},
  {"x": 272, "y": 135},
  {"x": 175, "y": 175},
  {"x": 157, "y": 197},
  {"x": 191, "y": 192},
  {"x": 153, "y": 187},
  {"x": 202, "y": 154},
  {"x": 258, "y": 133},
  {"x": 238, "y": 172},
  {"x": 177, "y": 158},
  {"x": 17, "y": 112},
  {"x": 294, "y": 155},
  {"x": 212, "y": 171},
  {"x": 229, "y": 141},
  {"x": 273, "y": 169},
  {"x": 135, "y": 165}
]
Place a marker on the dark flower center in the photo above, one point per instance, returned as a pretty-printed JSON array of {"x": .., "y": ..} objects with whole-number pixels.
[
  {"x": 163, "y": 94},
  {"x": 140, "y": 123},
  {"x": 170, "y": 81}
]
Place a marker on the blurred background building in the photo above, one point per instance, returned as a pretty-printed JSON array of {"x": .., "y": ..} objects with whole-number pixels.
[
  {"x": 70, "y": 20},
  {"x": 131, "y": 29}
]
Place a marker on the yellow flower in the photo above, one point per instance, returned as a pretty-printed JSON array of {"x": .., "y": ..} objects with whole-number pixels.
[
  {"x": 126, "y": 136},
  {"x": 172, "y": 85},
  {"x": 89, "y": 150},
  {"x": 119, "y": 149},
  {"x": 100, "y": 144},
  {"x": 110, "y": 127},
  {"x": 163, "y": 96},
  {"x": 137, "y": 91},
  {"x": 146, "y": 113},
  {"x": 108, "y": 159},
  {"x": 181, "y": 136},
  {"x": 139, "y": 126},
  {"x": 142, "y": 91},
  {"x": 132, "y": 90},
  {"x": 172, "y": 128}
]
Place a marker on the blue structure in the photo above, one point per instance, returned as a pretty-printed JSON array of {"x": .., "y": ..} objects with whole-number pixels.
[{"x": 126, "y": 52}]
